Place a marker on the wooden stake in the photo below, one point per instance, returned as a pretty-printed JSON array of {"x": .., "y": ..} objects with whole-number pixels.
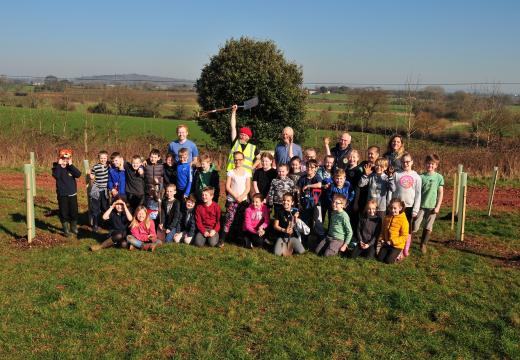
[
  {"x": 492, "y": 188},
  {"x": 454, "y": 205},
  {"x": 462, "y": 206},
  {"x": 33, "y": 173},
  {"x": 29, "y": 201}
]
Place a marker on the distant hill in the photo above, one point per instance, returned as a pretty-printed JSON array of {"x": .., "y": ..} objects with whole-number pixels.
[{"x": 116, "y": 79}]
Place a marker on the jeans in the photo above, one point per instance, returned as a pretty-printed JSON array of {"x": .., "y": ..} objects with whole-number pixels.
[
  {"x": 200, "y": 240},
  {"x": 140, "y": 244},
  {"x": 169, "y": 236}
]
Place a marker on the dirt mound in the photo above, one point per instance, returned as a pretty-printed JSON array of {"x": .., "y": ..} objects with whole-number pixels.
[{"x": 42, "y": 240}]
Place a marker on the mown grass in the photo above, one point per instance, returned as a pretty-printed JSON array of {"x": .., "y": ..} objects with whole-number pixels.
[{"x": 186, "y": 302}]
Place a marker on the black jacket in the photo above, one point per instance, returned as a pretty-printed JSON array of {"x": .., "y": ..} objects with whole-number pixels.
[
  {"x": 134, "y": 181},
  {"x": 170, "y": 219},
  {"x": 368, "y": 230},
  {"x": 65, "y": 179},
  {"x": 187, "y": 223}
]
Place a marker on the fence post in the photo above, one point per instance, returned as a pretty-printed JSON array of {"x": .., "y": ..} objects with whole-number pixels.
[
  {"x": 492, "y": 188},
  {"x": 86, "y": 171},
  {"x": 454, "y": 205},
  {"x": 462, "y": 206},
  {"x": 29, "y": 201},
  {"x": 33, "y": 173}
]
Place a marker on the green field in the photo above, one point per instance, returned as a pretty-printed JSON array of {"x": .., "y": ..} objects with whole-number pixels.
[{"x": 186, "y": 302}]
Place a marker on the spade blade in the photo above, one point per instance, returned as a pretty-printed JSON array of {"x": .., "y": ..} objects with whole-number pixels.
[{"x": 251, "y": 103}]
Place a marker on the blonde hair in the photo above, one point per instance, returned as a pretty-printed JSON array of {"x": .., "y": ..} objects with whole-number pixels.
[
  {"x": 146, "y": 221},
  {"x": 383, "y": 162}
]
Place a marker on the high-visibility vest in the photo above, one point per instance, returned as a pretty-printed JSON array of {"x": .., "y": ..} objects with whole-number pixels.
[{"x": 249, "y": 156}]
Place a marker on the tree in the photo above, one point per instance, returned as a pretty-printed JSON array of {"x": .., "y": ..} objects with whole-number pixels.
[
  {"x": 367, "y": 102},
  {"x": 245, "y": 68}
]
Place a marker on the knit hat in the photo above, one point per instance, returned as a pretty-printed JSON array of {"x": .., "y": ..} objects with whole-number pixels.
[
  {"x": 246, "y": 131},
  {"x": 65, "y": 153}
]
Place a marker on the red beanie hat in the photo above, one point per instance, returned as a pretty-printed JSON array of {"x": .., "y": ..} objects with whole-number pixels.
[{"x": 247, "y": 131}]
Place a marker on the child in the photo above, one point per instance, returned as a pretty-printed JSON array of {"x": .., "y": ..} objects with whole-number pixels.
[
  {"x": 263, "y": 177},
  {"x": 207, "y": 219},
  {"x": 368, "y": 230},
  {"x": 362, "y": 195},
  {"x": 310, "y": 190},
  {"x": 117, "y": 176},
  {"x": 186, "y": 226},
  {"x": 408, "y": 189},
  {"x": 380, "y": 184},
  {"x": 134, "y": 174},
  {"x": 432, "y": 192},
  {"x": 340, "y": 231},
  {"x": 280, "y": 186},
  {"x": 395, "y": 232},
  {"x": 170, "y": 214},
  {"x": 98, "y": 191},
  {"x": 142, "y": 229},
  {"x": 284, "y": 223},
  {"x": 238, "y": 186},
  {"x": 325, "y": 171},
  {"x": 256, "y": 222},
  {"x": 296, "y": 169},
  {"x": 206, "y": 175},
  {"x": 66, "y": 189},
  {"x": 169, "y": 169},
  {"x": 153, "y": 172},
  {"x": 353, "y": 173},
  {"x": 309, "y": 154},
  {"x": 339, "y": 186},
  {"x": 119, "y": 217},
  {"x": 184, "y": 175}
]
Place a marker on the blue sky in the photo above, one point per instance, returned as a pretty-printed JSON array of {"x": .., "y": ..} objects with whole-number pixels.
[{"x": 334, "y": 41}]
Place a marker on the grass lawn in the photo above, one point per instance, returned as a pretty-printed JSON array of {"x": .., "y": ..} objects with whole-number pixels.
[{"x": 185, "y": 302}]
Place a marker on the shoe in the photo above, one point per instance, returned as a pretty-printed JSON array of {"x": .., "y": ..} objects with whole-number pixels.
[
  {"x": 96, "y": 247},
  {"x": 74, "y": 227},
  {"x": 131, "y": 248},
  {"x": 423, "y": 249},
  {"x": 66, "y": 228}
]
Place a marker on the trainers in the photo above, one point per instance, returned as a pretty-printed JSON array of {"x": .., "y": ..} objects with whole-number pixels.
[{"x": 131, "y": 248}]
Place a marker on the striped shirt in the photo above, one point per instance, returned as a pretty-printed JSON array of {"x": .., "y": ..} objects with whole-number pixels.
[{"x": 101, "y": 174}]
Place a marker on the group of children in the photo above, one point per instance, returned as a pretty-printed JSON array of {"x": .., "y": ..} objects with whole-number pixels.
[{"x": 371, "y": 208}]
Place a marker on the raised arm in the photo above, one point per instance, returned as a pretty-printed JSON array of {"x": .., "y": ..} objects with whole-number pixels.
[{"x": 233, "y": 122}]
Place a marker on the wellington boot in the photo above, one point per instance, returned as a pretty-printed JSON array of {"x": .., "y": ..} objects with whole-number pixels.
[
  {"x": 74, "y": 227},
  {"x": 105, "y": 244},
  {"x": 66, "y": 228},
  {"x": 424, "y": 240}
]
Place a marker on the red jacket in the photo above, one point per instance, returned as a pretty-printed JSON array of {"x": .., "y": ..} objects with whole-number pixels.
[
  {"x": 207, "y": 217},
  {"x": 140, "y": 232}
]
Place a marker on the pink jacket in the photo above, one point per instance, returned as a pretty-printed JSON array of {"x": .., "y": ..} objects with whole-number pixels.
[
  {"x": 140, "y": 232},
  {"x": 256, "y": 219}
]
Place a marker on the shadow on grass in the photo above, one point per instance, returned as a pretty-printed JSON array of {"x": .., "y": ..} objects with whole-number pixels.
[
  {"x": 9, "y": 232},
  {"x": 476, "y": 248},
  {"x": 41, "y": 225}
]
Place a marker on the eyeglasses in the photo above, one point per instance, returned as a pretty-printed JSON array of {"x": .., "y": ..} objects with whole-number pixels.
[
  {"x": 239, "y": 160},
  {"x": 407, "y": 162},
  {"x": 338, "y": 202}
]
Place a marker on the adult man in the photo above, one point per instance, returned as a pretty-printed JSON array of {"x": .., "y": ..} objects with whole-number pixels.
[
  {"x": 183, "y": 142},
  {"x": 242, "y": 144},
  {"x": 341, "y": 151},
  {"x": 285, "y": 150}
]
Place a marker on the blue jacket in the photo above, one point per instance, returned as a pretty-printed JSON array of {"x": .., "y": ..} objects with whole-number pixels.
[
  {"x": 116, "y": 176},
  {"x": 184, "y": 177},
  {"x": 346, "y": 190}
]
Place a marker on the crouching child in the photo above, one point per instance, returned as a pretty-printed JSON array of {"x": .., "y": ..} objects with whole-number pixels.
[
  {"x": 207, "y": 220},
  {"x": 340, "y": 230},
  {"x": 142, "y": 228},
  {"x": 119, "y": 217}
]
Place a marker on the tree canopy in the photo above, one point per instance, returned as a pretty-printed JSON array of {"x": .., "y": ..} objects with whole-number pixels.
[{"x": 245, "y": 68}]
